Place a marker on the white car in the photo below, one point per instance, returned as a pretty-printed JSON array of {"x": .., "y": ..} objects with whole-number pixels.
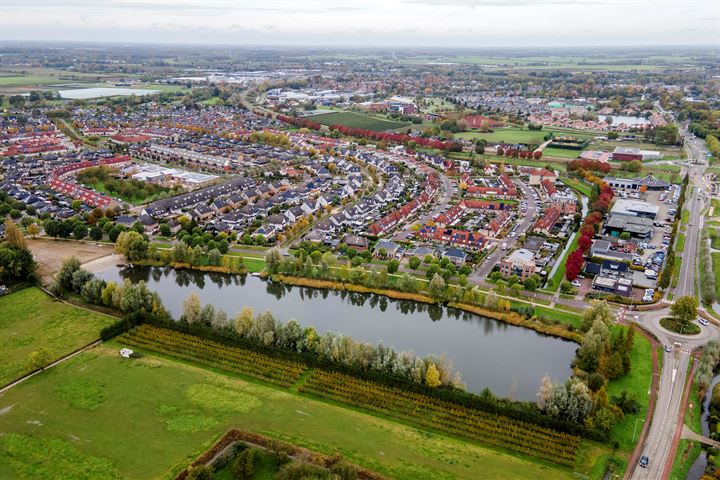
[
  {"x": 703, "y": 322},
  {"x": 576, "y": 283}
]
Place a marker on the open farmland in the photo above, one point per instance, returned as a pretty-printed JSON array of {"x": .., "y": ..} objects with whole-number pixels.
[
  {"x": 91, "y": 401},
  {"x": 357, "y": 120}
]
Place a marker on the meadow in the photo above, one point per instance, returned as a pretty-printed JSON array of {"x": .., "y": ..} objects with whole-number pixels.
[
  {"x": 31, "y": 319},
  {"x": 93, "y": 416}
]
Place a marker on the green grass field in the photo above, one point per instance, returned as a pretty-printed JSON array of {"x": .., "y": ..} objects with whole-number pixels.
[
  {"x": 357, "y": 120},
  {"x": 637, "y": 384},
  {"x": 104, "y": 417},
  {"x": 578, "y": 185},
  {"x": 523, "y": 135},
  {"x": 31, "y": 319},
  {"x": 29, "y": 80},
  {"x": 561, "y": 152},
  {"x": 559, "y": 275},
  {"x": 563, "y": 317},
  {"x": 680, "y": 245},
  {"x": 687, "y": 452}
]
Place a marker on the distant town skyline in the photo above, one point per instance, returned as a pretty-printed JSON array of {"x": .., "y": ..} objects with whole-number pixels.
[{"x": 375, "y": 23}]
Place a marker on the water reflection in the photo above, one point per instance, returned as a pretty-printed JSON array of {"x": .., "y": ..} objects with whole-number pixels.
[{"x": 482, "y": 349}]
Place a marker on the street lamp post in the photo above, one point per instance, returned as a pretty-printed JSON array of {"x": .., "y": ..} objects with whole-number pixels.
[{"x": 635, "y": 427}]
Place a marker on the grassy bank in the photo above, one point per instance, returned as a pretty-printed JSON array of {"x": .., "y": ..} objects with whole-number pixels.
[{"x": 637, "y": 384}]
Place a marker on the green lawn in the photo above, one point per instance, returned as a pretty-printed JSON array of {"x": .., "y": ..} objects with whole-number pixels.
[
  {"x": 687, "y": 452},
  {"x": 680, "y": 245},
  {"x": 30, "y": 319},
  {"x": 563, "y": 317},
  {"x": 523, "y": 135},
  {"x": 561, "y": 152},
  {"x": 357, "y": 120},
  {"x": 254, "y": 264},
  {"x": 716, "y": 269},
  {"x": 637, "y": 384},
  {"x": 19, "y": 81},
  {"x": 104, "y": 417},
  {"x": 559, "y": 275},
  {"x": 578, "y": 185}
]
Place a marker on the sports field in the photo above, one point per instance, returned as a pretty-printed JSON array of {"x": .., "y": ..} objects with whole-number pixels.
[
  {"x": 521, "y": 135},
  {"x": 31, "y": 319},
  {"x": 101, "y": 416},
  {"x": 357, "y": 120}
]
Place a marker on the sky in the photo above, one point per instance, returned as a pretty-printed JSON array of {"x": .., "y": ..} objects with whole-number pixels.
[{"x": 371, "y": 23}]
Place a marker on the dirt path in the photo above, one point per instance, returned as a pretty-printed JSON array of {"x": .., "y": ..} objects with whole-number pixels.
[{"x": 49, "y": 254}]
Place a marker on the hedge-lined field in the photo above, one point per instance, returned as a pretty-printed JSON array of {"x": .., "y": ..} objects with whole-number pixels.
[
  {"x": 490, "y": 429},
  {"x": 232, "y": 359},
  {"x": 102, "y": 416}
]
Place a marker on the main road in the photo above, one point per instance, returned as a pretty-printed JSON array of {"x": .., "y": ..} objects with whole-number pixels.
[{"x": 667, "y": 417}]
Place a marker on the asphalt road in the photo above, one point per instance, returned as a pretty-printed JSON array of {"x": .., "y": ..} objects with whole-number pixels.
[
  {"x": 527, "y": 221},
  {"x": 666, "y": 418}
]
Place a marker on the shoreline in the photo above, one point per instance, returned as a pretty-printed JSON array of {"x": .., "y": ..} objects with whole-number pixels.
[{"x": 512, "y": 318}]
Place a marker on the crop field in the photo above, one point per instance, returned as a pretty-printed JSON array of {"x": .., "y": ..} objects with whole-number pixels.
[
  {"x": 357, "y": 120},
  {"x": 102, "y": 416},
  {"x": 31, "y": 319},
  {"x": 491, "y": 429}
]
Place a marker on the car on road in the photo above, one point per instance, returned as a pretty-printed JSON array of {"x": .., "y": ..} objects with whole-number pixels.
[
  {"x": 703, "y": 322},
  {"x": 644, "y": 461},
  {"x": 668, "y": 348}
]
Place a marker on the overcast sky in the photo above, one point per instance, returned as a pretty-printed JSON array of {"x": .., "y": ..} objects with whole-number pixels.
[{"x": 442, "y": 23}]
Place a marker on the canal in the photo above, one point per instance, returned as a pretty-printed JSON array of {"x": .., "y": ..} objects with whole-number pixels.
[{"x": 507, "y": 359}]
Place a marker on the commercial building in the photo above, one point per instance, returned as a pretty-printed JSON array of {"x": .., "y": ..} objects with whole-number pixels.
[
  {"x": 632, "y": 153},
  {"x": 637, "y": 227},
  {"x": 635, "y": 208},
  {"x": 649, "y": 182}
]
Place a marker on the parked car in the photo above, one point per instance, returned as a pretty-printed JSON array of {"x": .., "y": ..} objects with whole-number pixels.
[{"x": 576, "y": 283}]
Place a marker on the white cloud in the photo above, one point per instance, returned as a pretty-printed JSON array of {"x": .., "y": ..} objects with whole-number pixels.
[{"x": 466, "y": 23}]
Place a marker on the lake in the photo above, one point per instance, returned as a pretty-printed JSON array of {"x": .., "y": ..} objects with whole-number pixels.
[
  {"x": 509, "y": 360},
  {"x": 100, "y": 92}
]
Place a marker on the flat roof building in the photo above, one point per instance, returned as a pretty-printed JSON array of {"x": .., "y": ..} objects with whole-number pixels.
[{"x": 635, "y": 208}]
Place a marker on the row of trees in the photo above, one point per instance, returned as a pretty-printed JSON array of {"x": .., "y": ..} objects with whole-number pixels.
[
  {"x": 503, "y": 150},
  {"x": 16, "y": 260},
  {"x": 602, "y": 356},
  {"x": 127, "y": 297},
  {"x": 713, "y": 146},
  {"x": 667, "y": 272},
  {"x": 264, "y": 330},
  {"x": 601, "y": 199}
]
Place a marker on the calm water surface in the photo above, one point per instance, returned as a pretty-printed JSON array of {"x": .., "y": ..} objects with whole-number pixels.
[{"x": 507, "y": 359}]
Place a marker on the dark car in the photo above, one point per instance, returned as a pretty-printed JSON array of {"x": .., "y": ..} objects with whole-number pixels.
[{"x": 644, "y": 460}]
